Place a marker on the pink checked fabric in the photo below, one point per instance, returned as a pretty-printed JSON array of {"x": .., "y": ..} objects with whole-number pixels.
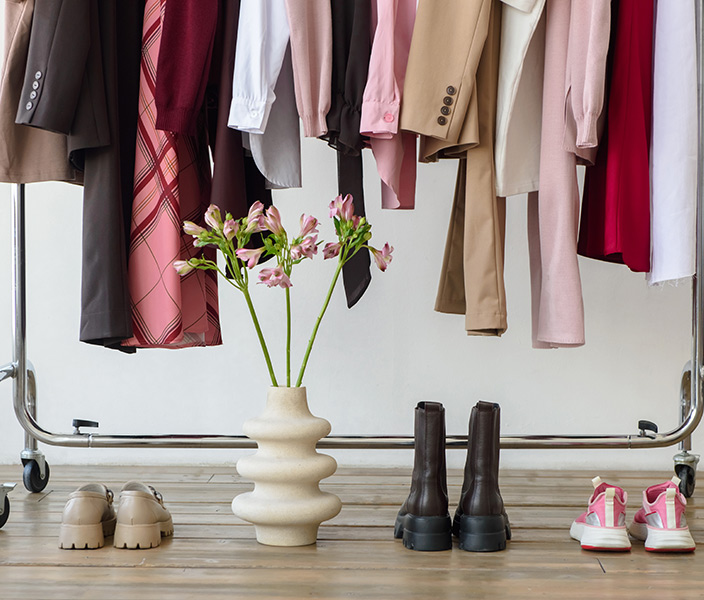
[{"x": 171, "y": 185}]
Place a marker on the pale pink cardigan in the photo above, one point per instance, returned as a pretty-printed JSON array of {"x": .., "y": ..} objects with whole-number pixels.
[
  {"x": 577, "y": 40},
  {"x": 394, "y": 151},
  {"x": 310, "y": 22}
]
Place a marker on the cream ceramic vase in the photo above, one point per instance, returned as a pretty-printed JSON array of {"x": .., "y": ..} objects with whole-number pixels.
[{"x": 286, "y": 505}]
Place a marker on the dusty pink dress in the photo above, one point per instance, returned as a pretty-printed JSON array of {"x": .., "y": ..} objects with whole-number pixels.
[{"x": 171, "y": 185}]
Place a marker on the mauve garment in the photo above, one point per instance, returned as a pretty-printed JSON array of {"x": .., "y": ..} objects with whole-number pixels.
[
  {"x": 616, "y": 205},
  {"x": 394, "y": 151},
  {"x": 311, "y": 52},
  {"x": 576, "y": 39}
]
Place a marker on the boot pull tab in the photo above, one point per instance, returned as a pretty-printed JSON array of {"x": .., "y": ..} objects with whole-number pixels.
[
  {"x": 596, "y": 482},
  {"x": 671, "y": 494},
  {"x": 609, "y": 507},
  {"x": 676, "y": 480}
]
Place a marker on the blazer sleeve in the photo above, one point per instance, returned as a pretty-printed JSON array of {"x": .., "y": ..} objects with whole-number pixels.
[
  {"x": 59, "y": 44},
  {"x": 262, "y": 37},
  {"x": 448, "y": 39},
  {"x": 311, "y": 51},
  {"x": 187, "y": 39}
]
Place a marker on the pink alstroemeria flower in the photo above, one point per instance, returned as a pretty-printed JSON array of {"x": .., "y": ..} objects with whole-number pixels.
[
  {"x": 256, "y": 210},
  {"x": 382, "y": 257},
  {"x": 273, "y": 277},
  {"x": 213, "y": 217},
  {"x": 230, "y": 229},
  {"x": 251, "y": 257},
  {"x": 343, "y": 208},
  {"x": 191, "y": 228},
  {"x": 255, "y": 218},
  {"x": 331, "y": 250},
  {"x": 272, "y": 219},
  {"x": 307, "y": 248},
  {"x": 309, "y": 224},
  {"x": 183, "y": 267},
  {"x": 255, "y": 225}
]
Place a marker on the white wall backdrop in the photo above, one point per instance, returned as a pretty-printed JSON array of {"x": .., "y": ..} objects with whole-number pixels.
[{"x": 372, "y": 364}]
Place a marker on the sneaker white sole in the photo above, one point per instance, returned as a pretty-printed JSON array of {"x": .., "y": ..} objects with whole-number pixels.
[
  {"x": 663, "y": 540},
  {"x": 611, "y": 539}
]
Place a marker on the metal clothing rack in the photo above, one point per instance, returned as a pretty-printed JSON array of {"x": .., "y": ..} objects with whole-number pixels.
[{"x": 36, "y": 469}]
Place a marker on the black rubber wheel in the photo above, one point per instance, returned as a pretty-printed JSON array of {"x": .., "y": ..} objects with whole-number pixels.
[
  {"x": 32, "y": 477},
  {"x": 6, "y": 514},
  {"x": 687, "y": 477}
]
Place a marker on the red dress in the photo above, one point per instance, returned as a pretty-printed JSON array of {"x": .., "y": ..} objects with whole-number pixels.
[{"x": 615, "y": 223}]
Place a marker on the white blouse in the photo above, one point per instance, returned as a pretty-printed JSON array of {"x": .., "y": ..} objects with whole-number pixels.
[
  {"x": 673, "y": 156},
  {"x": 519, "y": 97}
]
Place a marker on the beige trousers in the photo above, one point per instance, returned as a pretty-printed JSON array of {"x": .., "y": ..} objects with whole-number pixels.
[{"x": 472, "y": 276}]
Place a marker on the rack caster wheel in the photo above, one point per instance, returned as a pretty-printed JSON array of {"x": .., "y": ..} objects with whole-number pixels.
[
  {"x": 688, "y": 479},
  {"x": 5, "y": 489},
  {"x": 32, "y": 476},
  {"x": 5, "y": 513}
]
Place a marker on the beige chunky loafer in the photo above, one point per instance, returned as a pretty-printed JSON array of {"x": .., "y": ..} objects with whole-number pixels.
[
  {"x": 142, "y": 519},
  {"x": 88, "y": 518}
]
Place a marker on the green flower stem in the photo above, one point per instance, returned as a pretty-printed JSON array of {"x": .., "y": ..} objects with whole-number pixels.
[
  {"x": 288, "y": 337},
  {"x": 340, "y": 263},
  {"x": 248, "y": 298}
]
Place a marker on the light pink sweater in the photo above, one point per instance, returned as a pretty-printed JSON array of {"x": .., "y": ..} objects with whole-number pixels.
[
  {"x": 311, "y": 51},
  {"x": 577, "y": 39}
]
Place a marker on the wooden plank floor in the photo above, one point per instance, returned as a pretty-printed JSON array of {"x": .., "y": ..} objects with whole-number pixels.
[{"x": 214, "y": 555}]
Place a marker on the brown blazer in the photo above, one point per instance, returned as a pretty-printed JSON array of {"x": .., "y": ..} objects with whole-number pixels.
[
  {"x": 83, "y": 64},
  {"x": 26, "y": 154}
]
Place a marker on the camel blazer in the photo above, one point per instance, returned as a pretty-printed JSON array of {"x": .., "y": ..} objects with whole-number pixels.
[
  {"x": 439, "y": 102},
  {"x": 26, "y": 154}
]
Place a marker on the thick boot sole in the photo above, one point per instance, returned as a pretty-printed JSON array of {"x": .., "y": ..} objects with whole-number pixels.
[
  {"x": 458, "y": 517},
  {"x": 398, "y": 526},
  {"x": 427, "y": 534},
  {"x": 482, "y": 534}
]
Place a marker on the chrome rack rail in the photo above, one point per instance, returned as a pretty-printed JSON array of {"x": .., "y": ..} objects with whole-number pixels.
[{"x": 25, "y": 392}]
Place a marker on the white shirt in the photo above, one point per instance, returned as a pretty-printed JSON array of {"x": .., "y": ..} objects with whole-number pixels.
[
  {"x": 673, "y": 157},
  {"x": 263, "y": 100},
  {"x": 519, "y": 97}
]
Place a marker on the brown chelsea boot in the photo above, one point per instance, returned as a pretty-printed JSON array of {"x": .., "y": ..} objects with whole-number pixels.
[
  {"x": 424, "y": 521},
  {"x": 480, "y": 520}
]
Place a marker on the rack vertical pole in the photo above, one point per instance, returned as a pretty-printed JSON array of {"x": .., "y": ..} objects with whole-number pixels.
[{"x": 19, "y": 324}]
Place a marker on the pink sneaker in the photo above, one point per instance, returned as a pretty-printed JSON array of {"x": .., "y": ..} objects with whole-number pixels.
[
  {"x": 603, "y": 526},
  {"x": 661, "y": 522}
]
